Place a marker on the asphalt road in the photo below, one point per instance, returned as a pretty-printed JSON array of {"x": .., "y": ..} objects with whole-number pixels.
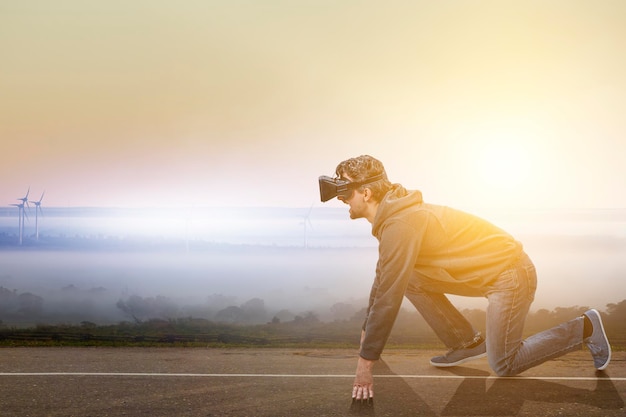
[{"x": 157, "y": 382}]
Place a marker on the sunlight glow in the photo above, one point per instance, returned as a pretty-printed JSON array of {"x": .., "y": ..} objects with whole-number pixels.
[{"x": 504, "y": 164}]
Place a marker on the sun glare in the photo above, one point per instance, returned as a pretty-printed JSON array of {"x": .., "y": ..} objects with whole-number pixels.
[{"x": 504, "y": 164}]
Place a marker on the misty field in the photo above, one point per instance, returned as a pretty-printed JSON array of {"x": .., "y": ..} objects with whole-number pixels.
[
  {"x": 77, "y": 286},
  {"x": 72, "y": 286}
]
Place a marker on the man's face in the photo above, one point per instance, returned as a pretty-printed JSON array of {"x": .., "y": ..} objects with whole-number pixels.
[{"x": 356, "y": 202}]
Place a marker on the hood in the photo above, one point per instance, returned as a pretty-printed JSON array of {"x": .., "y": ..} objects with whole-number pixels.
[{"x": 397, "y": 200}]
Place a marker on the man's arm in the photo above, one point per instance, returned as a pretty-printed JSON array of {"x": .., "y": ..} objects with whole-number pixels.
[
  {"x": 371, "y": 300},
  {"x": 399, "y": 247}
]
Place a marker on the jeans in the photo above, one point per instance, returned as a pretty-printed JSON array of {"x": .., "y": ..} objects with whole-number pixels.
[{"x": 509, "y": 297}]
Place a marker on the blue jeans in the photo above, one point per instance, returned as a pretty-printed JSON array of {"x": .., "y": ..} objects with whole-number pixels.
[{"x": 510, "y": 297}]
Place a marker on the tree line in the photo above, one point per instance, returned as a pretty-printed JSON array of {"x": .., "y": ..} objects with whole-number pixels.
[{"x": 304, "y": 329}]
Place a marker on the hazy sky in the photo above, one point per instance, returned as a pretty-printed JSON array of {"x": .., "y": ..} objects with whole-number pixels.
[{"x": 247, "y": 102}]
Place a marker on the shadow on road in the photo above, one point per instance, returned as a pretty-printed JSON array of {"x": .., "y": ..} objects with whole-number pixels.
[
  {"x": 506, "y": 396},
  {"x": 473, "y": 397}
]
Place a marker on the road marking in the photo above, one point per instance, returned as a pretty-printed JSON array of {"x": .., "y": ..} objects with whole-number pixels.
[{"x": 192, "y": 375}]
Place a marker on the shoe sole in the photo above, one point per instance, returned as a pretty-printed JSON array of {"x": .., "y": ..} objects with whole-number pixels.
[
  {"x": 606, "y": 364},
  {"x": 448, "y": 365}
]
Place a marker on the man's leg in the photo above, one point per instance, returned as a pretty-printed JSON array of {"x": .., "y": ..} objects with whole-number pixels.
[
  {"x": 510, "y": 298},
  {"x": 447, "y": 322}
]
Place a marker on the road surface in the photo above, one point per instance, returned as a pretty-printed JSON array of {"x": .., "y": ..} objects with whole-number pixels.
[{"x": 157, "y": 382}]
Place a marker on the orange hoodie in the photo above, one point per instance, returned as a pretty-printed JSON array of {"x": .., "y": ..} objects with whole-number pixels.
[{"x": 418, "y": 240}]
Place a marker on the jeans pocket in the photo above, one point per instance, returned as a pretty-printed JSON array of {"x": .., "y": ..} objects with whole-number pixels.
[
  {"x": 506, "y": 281},
  {"x": 521, "y": 277}
]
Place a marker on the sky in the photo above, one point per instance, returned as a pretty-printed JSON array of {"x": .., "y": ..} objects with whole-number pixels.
[{"x": 152, "y": 103}]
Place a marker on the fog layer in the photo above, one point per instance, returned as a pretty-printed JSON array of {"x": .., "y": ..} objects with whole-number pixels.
[{"x": 73, "y": 284}]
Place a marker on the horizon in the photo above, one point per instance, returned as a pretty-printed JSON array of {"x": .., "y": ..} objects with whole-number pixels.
[{"x": 284, "y": 226}]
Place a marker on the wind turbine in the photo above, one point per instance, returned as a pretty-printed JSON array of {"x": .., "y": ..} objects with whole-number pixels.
[
  {"x": 25, "y": 198},
  {"x": 22, "y": 214},
  {"x": 307, "y": 223},
  {"x": 38, "y": 210},
  {"x": 22, "y": 210},
  {"x": 20, "y": 220}
]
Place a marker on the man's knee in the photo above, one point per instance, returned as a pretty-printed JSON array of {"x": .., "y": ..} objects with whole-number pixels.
[
  {"x": 503, "y": 372},
  {"x": 502, "y": 368}
]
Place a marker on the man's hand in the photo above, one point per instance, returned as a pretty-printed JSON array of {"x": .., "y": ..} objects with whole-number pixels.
[{"x": 363, "y": 387}]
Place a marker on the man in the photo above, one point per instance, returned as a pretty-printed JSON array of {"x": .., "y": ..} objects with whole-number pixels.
[{"x": 426, "y": 251}]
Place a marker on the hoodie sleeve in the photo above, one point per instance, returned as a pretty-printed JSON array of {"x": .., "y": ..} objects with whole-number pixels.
[
  {"x": 398, "y": 249},
  {"x": 372, "y": 296}
]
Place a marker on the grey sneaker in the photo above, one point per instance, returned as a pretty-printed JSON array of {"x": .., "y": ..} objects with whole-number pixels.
[
  {"x": 598, "y": 343},
  {"x": 456, "y": 357}
]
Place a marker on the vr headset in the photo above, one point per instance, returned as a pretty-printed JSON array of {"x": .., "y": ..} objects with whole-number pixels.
[{"x": 336, "y": 187}]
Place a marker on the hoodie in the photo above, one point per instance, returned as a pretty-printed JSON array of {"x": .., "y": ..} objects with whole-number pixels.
[{"x": 419, "y": 241}]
